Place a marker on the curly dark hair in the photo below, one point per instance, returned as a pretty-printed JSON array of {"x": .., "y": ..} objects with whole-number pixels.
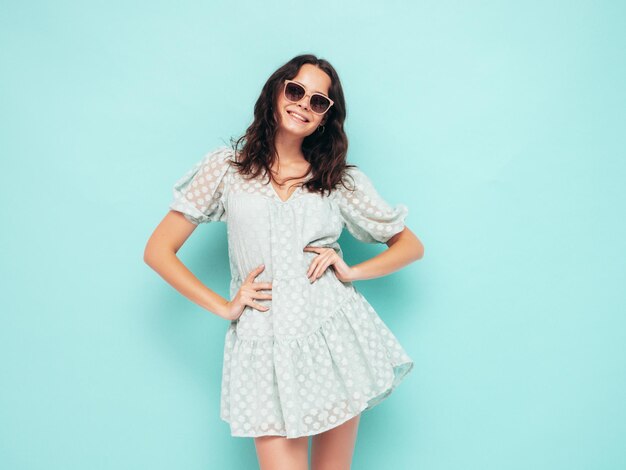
[{"x": 325, "y": 151}]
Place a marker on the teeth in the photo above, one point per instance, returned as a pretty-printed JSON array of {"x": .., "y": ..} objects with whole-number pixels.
[{"x": 297, "y": 115}]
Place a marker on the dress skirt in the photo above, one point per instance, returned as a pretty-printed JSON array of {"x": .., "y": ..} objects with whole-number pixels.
[{"x": 306, "y": 385}]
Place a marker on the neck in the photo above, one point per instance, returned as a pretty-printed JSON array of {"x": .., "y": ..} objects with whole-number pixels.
[{"x": 288, "y": 149}]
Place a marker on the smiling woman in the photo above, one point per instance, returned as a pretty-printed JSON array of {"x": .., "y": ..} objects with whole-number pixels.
[
  {"x": 321, "y": 323},
  {"x": 309, "y": 357}
]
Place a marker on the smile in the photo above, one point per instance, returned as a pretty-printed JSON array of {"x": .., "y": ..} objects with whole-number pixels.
[{"x": 296, "y": 117}]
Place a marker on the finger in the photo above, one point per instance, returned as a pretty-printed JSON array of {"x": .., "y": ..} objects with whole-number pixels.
[
  {"x": 313, "y": 271},
  {"x": 258, "y": 295},
  {"x": 258, "y": 306},
  {"x": 254, "y": 273},
  {"x": 315, "y": 274},
  {"x": 313, "y": 248},
  {"x": 261, "y": 285},
  {"x": 319, "y": 261},
  {"x": 312, "y": 267},
  {"x": 320, "y": 270}
]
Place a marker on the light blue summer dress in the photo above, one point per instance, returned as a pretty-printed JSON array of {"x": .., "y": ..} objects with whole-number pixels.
[{"x": 320, "y": 355}]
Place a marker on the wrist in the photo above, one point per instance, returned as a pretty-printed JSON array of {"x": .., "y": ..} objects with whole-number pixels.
[
  {"x": 355, "y": 273},
  {"x": 223, "y": 309}
]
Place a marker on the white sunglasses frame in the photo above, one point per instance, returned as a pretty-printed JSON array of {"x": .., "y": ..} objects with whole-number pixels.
[{"x": 306, "y": 93}]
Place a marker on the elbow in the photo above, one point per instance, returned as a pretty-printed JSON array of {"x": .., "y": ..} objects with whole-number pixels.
[
  {"x": 411, "y": 245},
  {"x": 418, "y": 252},
  {"x": 155, "y": 253},
  {"x": 146, "y": 256},
  {"x": 149, "y": 255}
]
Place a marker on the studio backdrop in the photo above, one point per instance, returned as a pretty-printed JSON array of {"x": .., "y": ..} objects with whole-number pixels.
[{"x": 500, "y": 125}]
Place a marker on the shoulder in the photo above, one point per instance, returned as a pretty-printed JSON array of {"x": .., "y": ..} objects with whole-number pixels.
[
  {"x": 356, "y": 175},
  {"x": 214, "y": 164},
  {"x": 353, "y": 179},
  {"x": 222, "y": 156}
]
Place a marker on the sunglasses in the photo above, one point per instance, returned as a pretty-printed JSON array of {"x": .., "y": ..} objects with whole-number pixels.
[{"x": 318, "y": 103}]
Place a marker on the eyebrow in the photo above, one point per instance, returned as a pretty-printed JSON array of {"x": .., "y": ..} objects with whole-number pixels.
[{"x": 314, "y": 91}]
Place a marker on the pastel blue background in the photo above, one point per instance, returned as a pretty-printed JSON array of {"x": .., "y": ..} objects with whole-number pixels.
[{"x": 500, "y": 125}]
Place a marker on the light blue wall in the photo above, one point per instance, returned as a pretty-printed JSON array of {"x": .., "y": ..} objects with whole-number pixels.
[{"x": 500, "y": 125}]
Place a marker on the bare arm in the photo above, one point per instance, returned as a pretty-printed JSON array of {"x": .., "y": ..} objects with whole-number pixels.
[
  {"x": 404, "y": 248},
  {"x": 160, "y": 255}
]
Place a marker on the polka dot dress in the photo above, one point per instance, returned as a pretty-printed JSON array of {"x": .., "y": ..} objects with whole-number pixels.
[{"x": 320, "y": 355}]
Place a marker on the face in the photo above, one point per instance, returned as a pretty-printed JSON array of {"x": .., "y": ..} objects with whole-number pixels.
[{"x": 314, "y": 80}]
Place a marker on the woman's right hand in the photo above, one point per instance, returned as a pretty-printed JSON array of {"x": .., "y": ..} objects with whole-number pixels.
[{"x": 246, "y": 295}]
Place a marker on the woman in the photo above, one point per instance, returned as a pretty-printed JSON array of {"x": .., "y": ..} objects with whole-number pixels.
[{"x": 305, "y": 353}]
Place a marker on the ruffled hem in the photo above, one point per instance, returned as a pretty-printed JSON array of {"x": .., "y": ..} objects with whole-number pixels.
[{"x": 307, "y": 385}]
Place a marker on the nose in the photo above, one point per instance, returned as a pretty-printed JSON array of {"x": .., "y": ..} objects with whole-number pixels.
[{"x": 305, "y": 101}]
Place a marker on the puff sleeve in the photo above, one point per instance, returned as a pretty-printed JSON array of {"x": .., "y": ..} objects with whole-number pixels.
[
  {"x": 200, "y": 193},
  {"x": 366, "y": 215}
]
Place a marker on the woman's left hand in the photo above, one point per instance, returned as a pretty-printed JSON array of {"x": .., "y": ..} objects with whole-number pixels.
[{"x": 328, "y": 257}]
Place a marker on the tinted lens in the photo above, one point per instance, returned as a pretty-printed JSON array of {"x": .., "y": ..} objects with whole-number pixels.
[
  {"x": 294, "y": 92},
  {"x": 319, "y": 103}
]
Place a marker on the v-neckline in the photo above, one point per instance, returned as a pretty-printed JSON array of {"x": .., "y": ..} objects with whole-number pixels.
[{"x": 298, "y": 188}]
